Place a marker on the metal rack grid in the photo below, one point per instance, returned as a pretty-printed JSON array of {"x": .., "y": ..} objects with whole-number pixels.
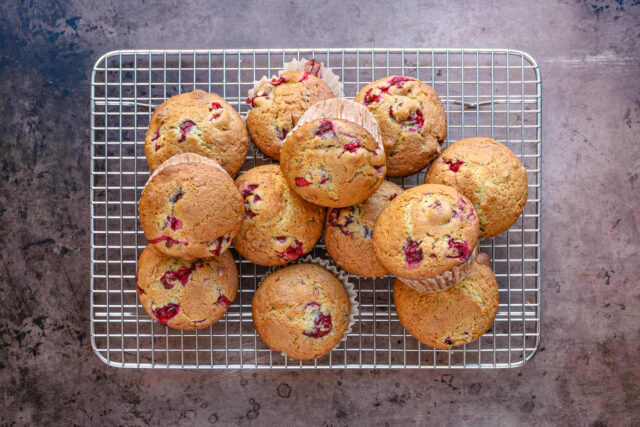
[{"x": 494, "y": 93}]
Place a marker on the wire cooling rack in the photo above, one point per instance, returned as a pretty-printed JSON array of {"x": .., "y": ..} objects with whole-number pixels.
[{"x": 494, "y": 93}]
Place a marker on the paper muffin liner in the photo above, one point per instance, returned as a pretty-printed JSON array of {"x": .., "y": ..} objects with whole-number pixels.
[
  {"x": 182, "y": 158},
  {"x": 343, "y": 109},
  {"x": 445, "y": 280},
  {"x": 325, "y": 74}
]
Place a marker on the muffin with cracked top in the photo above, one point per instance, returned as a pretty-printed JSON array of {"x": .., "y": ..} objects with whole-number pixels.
[
  {"x": 348, "y": 233},
  {"x": 453, "y": 317},
  {"x": 279, "y": 103},
  {"x": 279, "y": 225},
  {"x": 185, "y": 294},
  {"x": 334, "y": 157},
  {"x": 301, "y": 310},
  {"x": 197, "y": 122},
  {"x": 190, "y": 208},
  {"x": 489, "y": 175},
  {"x": 427, "y": 236},
  {"x": 412, "y": 120}
]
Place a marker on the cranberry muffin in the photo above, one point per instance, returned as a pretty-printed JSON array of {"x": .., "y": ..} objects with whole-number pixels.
[
  {"x": 411, "y": 118},
  {"x": 489, "y": 175},
  {"x": 190, "y": 208},
  {"x": 348, "y": 233},
  {"x": 279, "y": 225},
  {"x": 426, "y": 236},
  {"x": 186, "y": 294},
  {"x": 278, "y": 105},
  {"x": 334, "y": 157},
  {"x": 197, "y": 122},
  {"x": 301, "y": 310},
  {"x": 453, "y": 317}
]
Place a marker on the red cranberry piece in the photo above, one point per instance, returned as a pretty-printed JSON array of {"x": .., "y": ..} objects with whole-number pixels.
[
  {"x": 321, "y": 323},
  {"x": 248, "y": 190},
  {"x": 312, "y": 67},
  {"x": 277, "y": 82},
  {"x": 180, "y": 275},
  {"x": 368, "y": 232},
  {"x": 454, "y": 166},
  {"x": 174, "y": 223},
  {"x": 461, "y": 247},
  {"x": 433, "y": 256},
  {"x": 169, "y": 241},
  {"x": 435, "y": 204},
  {"x": 379, "y": 168},
  {"x": 249, "y": 213},
  {"x": 399, "y": 81},
  {"x": 333, "y": 218},
  {"x": 185, "y": 128},
  {"x": 448, "y": 341},
  {"x": 417, "y": 118},
  {"x": 301, "y": 182},
  {"x": 281, "y": 239},
  {"x": 223, "y": 301},
  {"x": 292, "y": 252},
  {"x": 369, "y": 98},
  {"x": 156, "y": 135},
  {"x": 304, "y": 76},
  {"x": 174, "y": 198},
  {"x": 393, "y": 196},
  {"x": 165, "y": 313},
  {"x": 215, "y": 106},
  {"x": 324, "y": 128},
  {"x": 324, "y": 179},
  {"x": 412, "y": 253},
  {"x": 140, "y": 290},
  {"x": 251, "y": 101},
  {"x": 353, "y": 146},
  {"x": 219, "y": 242},
  {"x": 282, "y": 133}
]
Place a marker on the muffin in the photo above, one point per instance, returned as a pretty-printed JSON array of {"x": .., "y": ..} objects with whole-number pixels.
[
  {"x": 279, "y": 103},
  {"x": 190, "y": 208},
  {"x": 412, "y": 121},
  {"x": 489, "y": 175},
  {"x": 197, "y": 122},
  {"x": 456, "y": 316},
  {"x": 334, "y": 157},
  {"x": 426, "y": 236},
  {"x": 301, "y": 310},
  {"x": 186, "y": 294},
  {"x": 279, "y": 225},
  {"x": 348, "y": 233}
]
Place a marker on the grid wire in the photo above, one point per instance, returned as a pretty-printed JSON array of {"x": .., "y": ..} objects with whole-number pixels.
[{"x": 494, "y": 93}]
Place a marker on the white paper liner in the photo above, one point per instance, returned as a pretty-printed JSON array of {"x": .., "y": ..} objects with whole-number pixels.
[
  {"x": 182, "y": 158},
  {"x": 343, "y": 109},
  {"x": 326, "y": 74},
  {"x": 445, "y": 280}
]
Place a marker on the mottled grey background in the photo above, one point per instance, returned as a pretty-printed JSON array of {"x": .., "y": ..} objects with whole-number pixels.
[{"x": 588, "y": 368}]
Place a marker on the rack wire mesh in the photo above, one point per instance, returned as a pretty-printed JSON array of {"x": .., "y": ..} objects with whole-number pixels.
[{"x": 494, "y": 93}]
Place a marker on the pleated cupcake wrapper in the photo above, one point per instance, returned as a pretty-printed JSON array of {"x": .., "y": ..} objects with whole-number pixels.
[
  {"x": 184, "y": 158},
  {"x": 328, "y": 76},
  {"x": 341, "y": 275},
  {"x": 445, "y": 280},
  {"x": 343, "y": 109}
]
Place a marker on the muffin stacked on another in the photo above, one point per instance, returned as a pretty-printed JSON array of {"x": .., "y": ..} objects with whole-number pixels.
[
  {"x": 426, "y": 236},
  {"x": 411, "y": 118},
  {"x": 349, "y": 231},
  {"x": 278, "y": 105},
  {"x": 186, "y": 294},
  {"x": 453, "y": 317},
  {"x": 489, "y": 175},
  {"x": 334, "y": 157},
  {"x": 279, "y": 225},
  {"x": 197, "y": 122},
  {"x": 190, "y": 208},
  {"x": 301, "y": 310}
]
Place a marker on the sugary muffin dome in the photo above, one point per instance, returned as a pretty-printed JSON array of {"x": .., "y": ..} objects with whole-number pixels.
[
  {"x": 191, "y": 208},
  {"x": 455, "y": 316},
  {"x": 349, "y": 231},
  {"x": 197, "y": 122},
  {"x": 186, "y": 294},
  {"x": 279, "y": 225},
  {"x": 487, "y": 173},
  {"x": 278, "y": 105},
  {"x": 333, "y": 162},
  {"x": 411, "y": 118},
  {"x": 301, "y": 310},
  {"x": 426, "y": 231}
]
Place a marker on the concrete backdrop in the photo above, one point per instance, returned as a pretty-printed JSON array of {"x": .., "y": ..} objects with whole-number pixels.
[{"x": 588, "y": 369}]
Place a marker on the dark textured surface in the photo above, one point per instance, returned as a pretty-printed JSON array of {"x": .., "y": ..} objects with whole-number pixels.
[{"x": 588, "y": 369}]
